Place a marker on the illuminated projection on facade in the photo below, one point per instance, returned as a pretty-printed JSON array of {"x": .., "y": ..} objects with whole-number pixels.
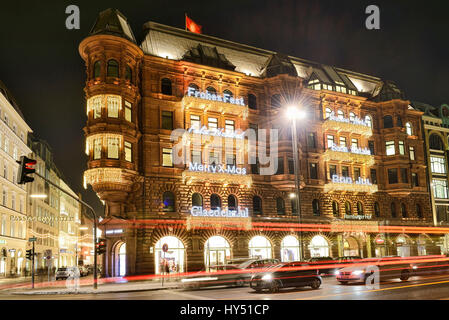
[
  {"x": 219, "y": 212},
  {"x": 210, "y": 168},
  {"x": 227, "y": 98}
]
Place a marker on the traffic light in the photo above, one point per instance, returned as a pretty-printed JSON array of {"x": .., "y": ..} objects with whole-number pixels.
[
  {"x": 101, "y": 246},
  {"x": 25, "y": 168},
  {"x": 29, "y": 254}
]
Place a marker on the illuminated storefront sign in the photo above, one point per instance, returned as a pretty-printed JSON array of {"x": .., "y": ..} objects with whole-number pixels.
[
  {"x": 226, "y": 98},
  {"x": 210, "y": 168},
  {"x": 114, "y": 231},
  {"x": 219, "y": 212},
  {"x": 348, "y": 180},
  {"x": 358, "y": 217},
  {"x": 217, "y": 133},
  {"x": 364, "y": 151},
  {"x": 355, "y": 120}
]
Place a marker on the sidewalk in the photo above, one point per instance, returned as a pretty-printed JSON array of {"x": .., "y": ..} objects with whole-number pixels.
[{"x": 102, "y": 288}]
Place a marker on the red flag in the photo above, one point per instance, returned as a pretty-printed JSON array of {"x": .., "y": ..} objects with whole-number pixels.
[{"x": 192, "y": 26}]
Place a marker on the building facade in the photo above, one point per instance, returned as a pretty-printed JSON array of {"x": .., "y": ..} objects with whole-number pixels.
[
  {"x": 362, "y": 164},
  {"x": 13, "y": 209}
]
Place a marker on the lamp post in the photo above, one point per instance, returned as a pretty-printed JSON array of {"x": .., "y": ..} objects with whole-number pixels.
[{"x": 294, "y": 113}]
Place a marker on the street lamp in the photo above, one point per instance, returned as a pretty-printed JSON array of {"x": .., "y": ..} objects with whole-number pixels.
[{"x": 294, "y": 113}]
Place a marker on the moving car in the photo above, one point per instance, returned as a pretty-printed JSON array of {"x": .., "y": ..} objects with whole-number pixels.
[
  {"x": 227, "y": 275},
  {"x": 321, "y": 263},
  {"x": 389, "y": 268},
  {"x": 439, "y": 265},
  {"x": 66, "y": 272},
  {"x": 286, "y": 275}
]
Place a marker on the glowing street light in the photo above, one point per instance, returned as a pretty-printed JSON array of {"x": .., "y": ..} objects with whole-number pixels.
[{"x": 295, "y": 113}]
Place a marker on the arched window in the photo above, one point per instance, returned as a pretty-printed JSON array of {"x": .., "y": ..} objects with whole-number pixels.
[
  {"x": 435, "y": 142},
  {"x": 418, "y": 211},
  {"x": 351, "y": 116},
  {"x": 257, "y": 205},
  {"x": 398, "y": 121},
  {"x": 215, "y": 201},
  {"x": 408, "y": 128},
  {"x": 113, "y": 69},
  {"x": 376, "y": 209},
  {"x": 260, "y": 248},
  {"x": 369, "y": 121},
  {"x": 276, "y": 101},
  {"x": 194, "y": 87},
  {"x": 348, "y": 209},
  {"x": 197, "y": 200},
  {"x": 393, "y": 210},
  {"x": 388, "y": 122},
  {"x": 319, "y": 247},
  {"x": 211, "y": 90},
  {"x": 403, "y": 210},
  {"x": 252, "y": 101},
  {"x": 316, "y": 207},
  {"x": 232, "y": 202},
  {"x": 359, "y": 208},
  {"x": 166, "y": 87},
  {"x": 280, "y": 205},
  {"x": 168, "y": 199},
  {"x": 335, "y": 208},
  {"x": 327, "y": 113},
  {"x": 294, "y": 206},
  {"x": 289, "y": 249},
  {"x": 340, "y": 114},
  {"x": 97, "y": 69},
  {"x": 227, "y": 92},
  {"x": 129, "y": 74}
]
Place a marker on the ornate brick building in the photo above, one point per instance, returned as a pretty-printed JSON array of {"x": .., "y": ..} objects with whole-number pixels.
[{"x": 361, "y": 151}]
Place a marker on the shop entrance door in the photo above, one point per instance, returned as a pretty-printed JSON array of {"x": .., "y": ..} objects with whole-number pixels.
[{"x": 217, "y": 257}]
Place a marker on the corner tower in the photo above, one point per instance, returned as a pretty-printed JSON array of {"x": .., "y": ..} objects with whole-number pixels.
[{"x": 112, "y": 60}]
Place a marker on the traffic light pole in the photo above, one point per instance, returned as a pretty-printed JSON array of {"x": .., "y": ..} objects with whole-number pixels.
[
  {"x": 95, "y": 227},
  {"x": 32, "y": 268}
]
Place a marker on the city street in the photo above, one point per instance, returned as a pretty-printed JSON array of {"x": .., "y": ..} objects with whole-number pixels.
[{"x": 424, "y": 287}]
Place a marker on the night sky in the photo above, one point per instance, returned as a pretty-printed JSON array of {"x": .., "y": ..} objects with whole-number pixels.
[{"x": 40, "y": 64}]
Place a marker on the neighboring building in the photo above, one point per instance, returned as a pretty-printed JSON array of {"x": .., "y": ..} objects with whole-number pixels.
[
  {"x": 358, "y": 158},
  {"x": 436, "y": 136},
  {"x": 54, "y": 216},
  {"x": 85, "y": 239},
  {"x": 13, "y": 211}
]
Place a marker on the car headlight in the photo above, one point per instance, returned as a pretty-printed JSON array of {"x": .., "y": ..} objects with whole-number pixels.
[
  {"x": 357, "y": 272},
  {"x": 415, "y": 267},
  {"x": 267, "y": 277},
  {"x": 337, "y": 273}
]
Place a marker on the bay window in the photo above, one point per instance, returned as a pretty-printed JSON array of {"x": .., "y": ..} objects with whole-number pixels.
[{"x": 113, "y": 148}]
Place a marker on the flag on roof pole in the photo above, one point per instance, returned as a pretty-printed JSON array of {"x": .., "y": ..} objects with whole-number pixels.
[{"x": 192, "y": 26}]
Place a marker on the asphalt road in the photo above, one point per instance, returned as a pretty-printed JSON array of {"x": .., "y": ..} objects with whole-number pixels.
[{"x": 431, "y": 287}]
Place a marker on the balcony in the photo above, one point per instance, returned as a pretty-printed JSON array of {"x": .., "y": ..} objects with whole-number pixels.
[
  {"x": 362, "y": 156},
  {"x": 341, "y": 124},
  {"x": 346, "y": 184},
  {"x": 204, "y": 104}
]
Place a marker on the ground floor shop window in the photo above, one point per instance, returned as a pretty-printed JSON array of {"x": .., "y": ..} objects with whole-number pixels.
[
  {"x": 403, "y": 246},
  {"x": 351, "y": 247},
  {"x": 260, "y": 247},
  {"x": 216, "y": 251},
  {"x": 171, "y": 261},
  {"x": 289, "y": 249},
  {"x": 319, "y": 247}
]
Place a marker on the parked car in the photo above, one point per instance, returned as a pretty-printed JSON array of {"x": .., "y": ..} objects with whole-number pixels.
[
  {"x": 364, "y": 268},
  {"x": 285, "y": 275},
  {"x": 324, "y": 261},
  {"x": 227, "y": 275},
  {"x": 65, "y": 272}
]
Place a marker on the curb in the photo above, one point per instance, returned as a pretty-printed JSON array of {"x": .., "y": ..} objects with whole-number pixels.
[{"x": 92, "y": 292}]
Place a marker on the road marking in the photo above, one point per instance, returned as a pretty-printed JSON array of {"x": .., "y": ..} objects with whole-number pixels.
[{"x": 191, "y": 296}]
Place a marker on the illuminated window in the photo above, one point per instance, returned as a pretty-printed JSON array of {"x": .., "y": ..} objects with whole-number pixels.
[
  {"x": 196, "y": 156},
  {"x": 128, "y": 111},
  {"x": 440, "y": 188},
  {"x": 328, "y": 113},
  {"x": 340, "y": 114},
  {"x": 113, "y": 148},
  {"x": 351, "y": 116},
  {"x": 3, "y": 229},
  {"x": 214, "y": 158},
  {"x": 97, "y": 148},
  {"x": 230, "y": 159},
  {"x": 229, "y": 126},
  {"x": 412, "y": 153},
  {"x": 354, "y": 143},
  {"x": 401, "y": 148},
  {"x": 330, "y": 141},
  {"x": 342, "y": 141},
  {"x": 335, "y": 208},
  {"x": 128, "y": 151},
  {"x": 195, "y": 121},
  {"x": 97, "y": 104},
  {"x": 359, "y": 208},
  {"x": 408, "y": 128},
  {"x": 389, "y": 146},
  {"x": 167, "y": 159},
  {"x": 415, "y": 181},
  {"x": 113, "y": 106},
  {"x": 369, "y": 121},
  {"x": 348, "y": 208},
  {"x": 438, "y": 165},
  {"x": 212, "y": 123}
]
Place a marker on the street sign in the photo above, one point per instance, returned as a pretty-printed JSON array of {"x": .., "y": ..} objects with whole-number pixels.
[
  {"x": 32, "y": 239},
  {"x": 165, "y": 247}
]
